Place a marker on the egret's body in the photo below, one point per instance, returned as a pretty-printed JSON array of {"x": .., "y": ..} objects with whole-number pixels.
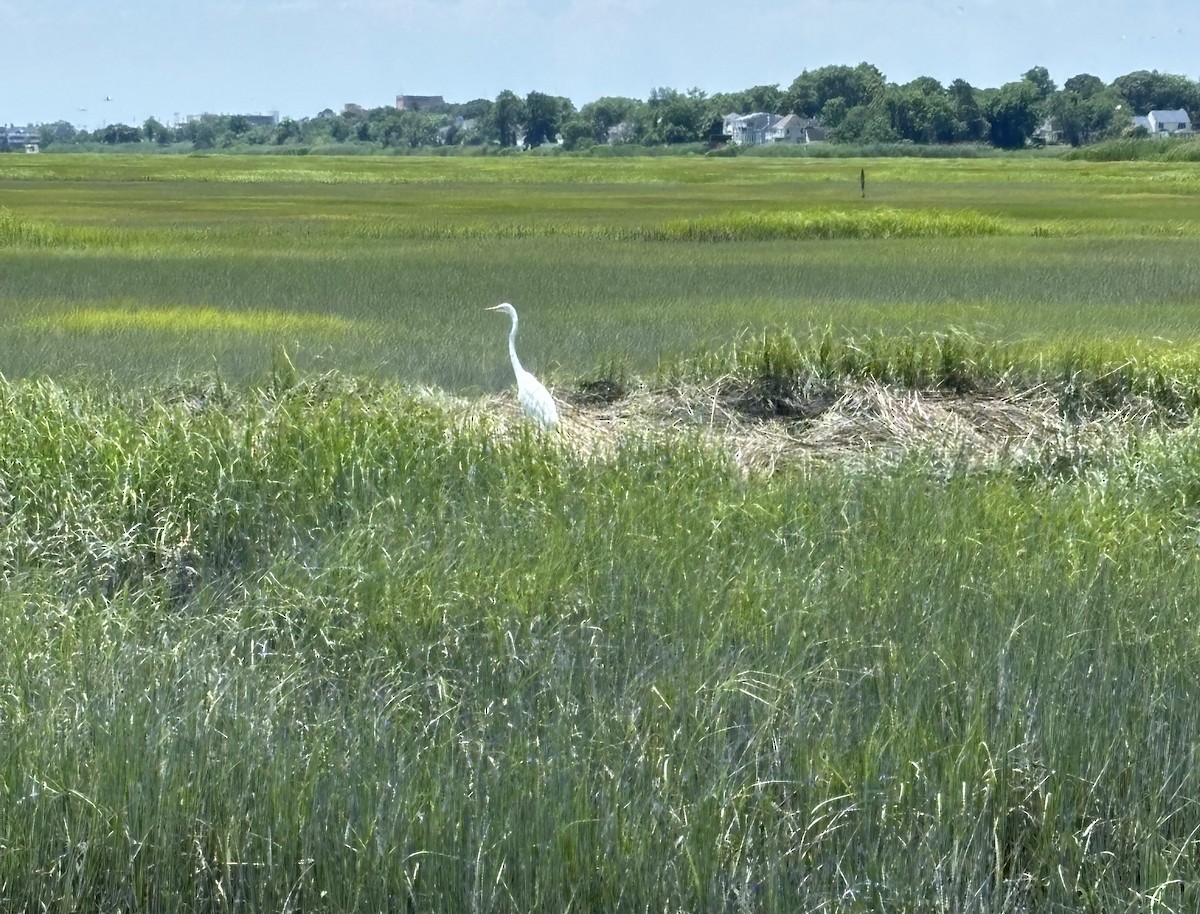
[{"x": 535, "y": 399}]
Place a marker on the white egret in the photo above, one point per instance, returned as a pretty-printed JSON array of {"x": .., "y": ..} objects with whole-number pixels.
[{"x": 535, "y": 399}]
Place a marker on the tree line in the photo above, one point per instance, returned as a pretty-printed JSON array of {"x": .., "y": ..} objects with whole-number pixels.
[{"x": 855, "y": 104}]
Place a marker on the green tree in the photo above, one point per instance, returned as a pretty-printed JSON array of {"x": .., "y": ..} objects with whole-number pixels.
[
  {"x": 287, "y": 131},
  {"x": 603, "y": 114},
  {"x": 833, "y": 112},
  {"x": 152, "y": 130},
  {"x": 1012, "y": 113},
  {"x": 239, "y": 125},
  {"x": 577, "y": 133},
  {"x": 203, "y": 134},
  {"x": 421, "y": 128},
  {"x": 474, "y": 110},
  {"x": 476, "y": 132},
  {"x": 763, "y": 98},
  {"x": 544, "y": 116},
  {"x": 866, "y": 124},
  {"x": 970, "y": 124},
  {"x": 1085, "y": 85},
  {"x": 340, "y": 127},
  {"x": 1149, "y": 90},
  {"x": 1039, "y": 78},
  {"x": 858, "y": 85},
  {"x": 121, "y": 133},
  {"x": 1082, "y": 117},
  {"x": 60, "y": 132},
  {"x": 508, "y": 117},
  {"x": 675, "y": 117},
  {"x": 921, "y": 111},
  {"x": 477, "y": 127},
  {"x": 364, "y": 130},
  {"x": 403, "y": 129}
]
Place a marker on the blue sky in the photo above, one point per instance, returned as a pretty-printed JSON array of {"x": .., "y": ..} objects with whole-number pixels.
[{"x": 93, "y": 62}]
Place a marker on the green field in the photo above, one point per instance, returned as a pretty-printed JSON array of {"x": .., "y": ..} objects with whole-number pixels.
[
  {"x": 862, "y": 575},
  {"x": 383, "y": 267}
]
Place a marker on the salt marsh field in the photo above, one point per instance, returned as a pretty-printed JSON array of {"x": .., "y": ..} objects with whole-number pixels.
[{"x": 861, "y": 575}]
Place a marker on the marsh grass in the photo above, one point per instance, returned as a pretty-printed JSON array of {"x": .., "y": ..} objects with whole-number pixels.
[
  {"x": 329, "y": 645},
  {"x": 1082, "y": 374},
  {"x": 1144, "y": 149},
  {"x": 121, "y": 317},
  {"x": 18, "y": 232},
  {"x": 638, "y": 261},
  {"x": 807, "y": 225},
  {"x": 890, "y": 606}
]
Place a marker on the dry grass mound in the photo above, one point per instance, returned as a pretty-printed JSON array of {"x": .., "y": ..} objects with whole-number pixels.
[{"x": 862, "y": 424}]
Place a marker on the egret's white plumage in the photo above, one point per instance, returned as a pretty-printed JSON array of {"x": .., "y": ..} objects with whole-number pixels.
[{"x": 535, "y": 399}]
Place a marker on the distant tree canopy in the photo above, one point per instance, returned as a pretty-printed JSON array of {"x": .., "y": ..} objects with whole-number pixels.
[
  {"x": 855, "y": 104},
  {"x": 508, "y": 113},
  {"x": 674, "y": 117},
  {"x": 855, "y": 86},
  {"x": 544, "y": 117},
  {"x": 592, "y": 123},
  {"x": 1149, "y": 90},
  {"x": 1012, "y": 113}
]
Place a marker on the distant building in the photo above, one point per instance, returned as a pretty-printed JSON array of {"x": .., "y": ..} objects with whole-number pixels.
[
  {"x": 18, "y": 138},
  {"x": 419, "y": 102},
  {"x": 794, "y": 129},
  {"x": 748, "y": 129},
  {"x": 352, "y": 110},
  {"x": 1168, "y": 123}
]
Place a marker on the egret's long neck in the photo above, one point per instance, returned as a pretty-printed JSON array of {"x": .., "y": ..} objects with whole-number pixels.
[{"x": 512, "y": 346}]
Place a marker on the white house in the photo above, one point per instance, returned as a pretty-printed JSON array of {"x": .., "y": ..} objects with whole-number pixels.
[
  {"x": 1168, "y": 123},
  {"x": 795, "y": 129},
  {"x": 12, "y": 137},
  {"x": 749, "y": 129}
]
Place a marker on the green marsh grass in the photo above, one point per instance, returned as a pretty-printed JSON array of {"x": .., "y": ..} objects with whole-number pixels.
[
  {"x": 186, "y": 320},
  {"x": 1085, "y": 374},
  {"x": 800, "y": 226},
  {"x": 414, "y": 311},
  {"x": 327, "y": 647},
  {"x": 284, "y": 632},
  {"x": 609, "y": 260}
]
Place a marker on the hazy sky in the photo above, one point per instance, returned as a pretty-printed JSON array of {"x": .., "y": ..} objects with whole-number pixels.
[{"x": 64, "y": 58}]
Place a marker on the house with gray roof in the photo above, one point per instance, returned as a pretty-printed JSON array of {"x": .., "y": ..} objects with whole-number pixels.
[
  {"x": 1168, "y": 122},
  {"x": 795, "y": 129},
  {"x": 761, "y": 128},
  {"x": 749, "y": 129}
]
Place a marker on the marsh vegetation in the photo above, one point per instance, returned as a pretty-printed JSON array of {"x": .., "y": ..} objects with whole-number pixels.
[{"x": 861, "y": 576}]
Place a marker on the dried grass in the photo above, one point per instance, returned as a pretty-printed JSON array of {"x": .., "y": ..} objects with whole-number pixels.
[{"x": 861, "y": 425}]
